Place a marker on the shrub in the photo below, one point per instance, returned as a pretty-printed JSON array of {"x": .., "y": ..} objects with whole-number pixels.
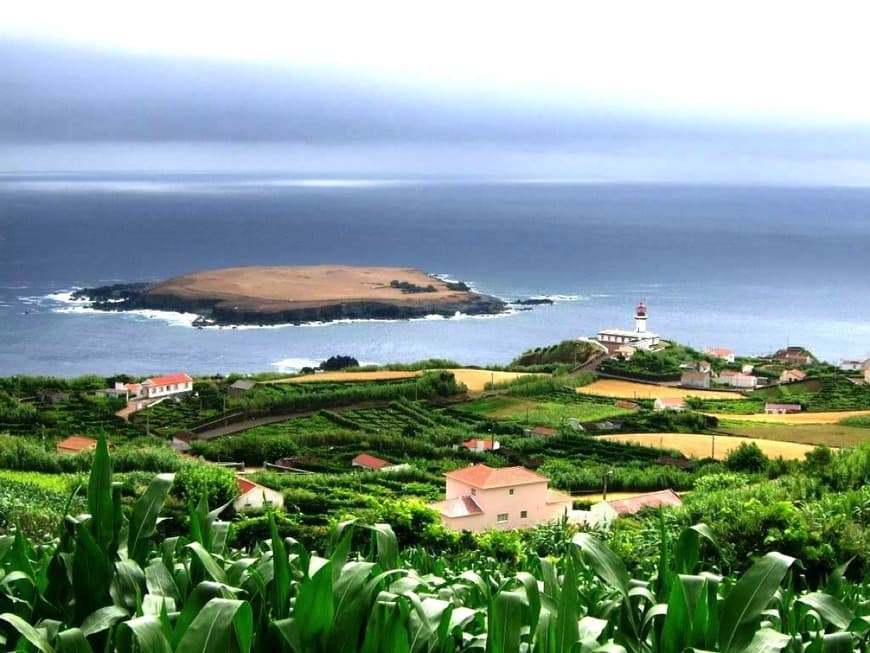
[
  {"x": 748, "y": 457},
  {"x": 194, "y": 480}
]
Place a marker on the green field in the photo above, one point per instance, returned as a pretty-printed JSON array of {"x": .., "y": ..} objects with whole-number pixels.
[
  {"x": 832, "y": 435},
  {"x": 546, "y": 413}
]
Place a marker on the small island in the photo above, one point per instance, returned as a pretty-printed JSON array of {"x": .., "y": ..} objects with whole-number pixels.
[{"x": 261, "y": 295}]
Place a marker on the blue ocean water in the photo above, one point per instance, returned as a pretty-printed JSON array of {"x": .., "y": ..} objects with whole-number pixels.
[{"x": 751, "y": 269}]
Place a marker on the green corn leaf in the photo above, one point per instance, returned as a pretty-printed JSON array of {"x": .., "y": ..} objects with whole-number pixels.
[
  {"x": 746, "y": 601},
  {"x": 33, "y": 635},
  {"x": 212, "y": 568},
  {"x": 567, "y": 632},
  {"x": 767, "y": 640},
  {"x": 143, "y": 521},
  {"x": 222, "y": 625},
  {"x": 92, "y": 574},
  {"x": 201, "y": 594},
  {"x": 314, "y": 608},
  {"x": 506, "y": 621},
  {"x": 829, "y": 609},
  {"x": 339, "y": 544},
  {"x": 281, "y": 575},
  {"x": 72, "y": 640},
  {"x": 533, "y": 593},
  {"x": 127, "y": 584},
  {"x": 100, "y": 504},
  {"x": 387, "y": 546},
  {"x": 687, "y": 551},
  {"x": 353, "y": 599},
  {"x": 159, "y": 581},
  {"x": 103, "y": 619},
  {"x": 147, "y": 632}
]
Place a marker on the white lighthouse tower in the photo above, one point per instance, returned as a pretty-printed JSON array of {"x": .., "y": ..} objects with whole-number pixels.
[{"x": 640, "y": 318}]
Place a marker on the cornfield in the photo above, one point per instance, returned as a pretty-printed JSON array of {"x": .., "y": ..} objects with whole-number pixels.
[{"x": 106, "y": 584}]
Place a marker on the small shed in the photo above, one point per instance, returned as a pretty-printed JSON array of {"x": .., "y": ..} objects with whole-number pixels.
[
  {"x": 669, "y": 403},
  {"x": 76, "y": 444},
  {"x": 791, "y": 376},
  {"x": 481, "y": 444},
  {"x": 52, "y": 396},
  {"x": 782, "y": 409},
  {"x": 240, "y": 387},
  {"x": 369, "y": 462},
  {"x": 542, "y": 432}
]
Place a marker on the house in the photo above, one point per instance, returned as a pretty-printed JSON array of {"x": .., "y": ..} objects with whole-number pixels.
[
  {"x": 237, "y": 389},
  {"x": 794, "y": 355},
  {"x": 605, "y": 512},
  {"x": 52, "y": 396},
  {"x": 790, "y": 376},
  {"x": 737, "y": 379},
  {"x": 697, "y": 366},
  {"x": 253, "y": 496},
  {"x": 481, "y": 444},
  {"x": 370, "y": 463},
  {"x": 782, "y": 409},
  {"x": 639, "y": 338},
  {"x": 695, "y": 379},
  {"x": 479, "y": 497},
  {"x": 669, "y": 403},
  {"x": 542, "y": 432},
  {"x": 867, "y": 376},
  {"x": 854, "y": 366},
  {"x": 157, "y": 387},
  {"x": 747, "y": 368},
  {"x": 718, "y": 352},
  {"x": 76, "y": 444}
]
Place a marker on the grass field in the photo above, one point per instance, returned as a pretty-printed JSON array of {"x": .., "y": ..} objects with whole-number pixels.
[
  {"x": 833, "y": 435},
  {"x": 383, "y": 375},
  {"x": 55, "y": 482},
  {"x": 545, "y": 413},
  {"x": 629, "y": 390},
  {"x": 699, "y": 446},
  {"x": 797, "y": 418}
]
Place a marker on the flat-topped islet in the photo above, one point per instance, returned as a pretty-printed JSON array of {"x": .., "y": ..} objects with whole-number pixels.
[{"x": 267, "y": 295}]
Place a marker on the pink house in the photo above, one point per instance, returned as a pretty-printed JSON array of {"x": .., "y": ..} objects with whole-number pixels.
[{"x": 481, "y": 497}]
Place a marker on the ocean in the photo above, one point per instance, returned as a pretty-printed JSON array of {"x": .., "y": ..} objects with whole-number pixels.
[{"x": 750, "y": 269}]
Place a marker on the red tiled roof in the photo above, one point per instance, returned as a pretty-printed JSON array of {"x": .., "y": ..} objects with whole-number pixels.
[
  {"x": 77, "y": 443},
  {"x": 632, "y": 505},
  {"x": 475, "y": 443},
  {"x": 544, "y": 430},
  {"x": 370, "y": 462},
  {"x": 485, "y": 477},
  {"x": 796, "y": 373},
  {"x": 169, "y": 379},
  {"x": 719, "y": 351},
  {"x": 245, "y": 485},
  {"x": 459, "y": 507}
]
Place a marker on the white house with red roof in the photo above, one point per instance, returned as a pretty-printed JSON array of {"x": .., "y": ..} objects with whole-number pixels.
[
  {"x": 253, "y": 496},
  {"x": 480, "y": 497},
  {"x": 719, "y": 352},
  {"x": 737, "y": 379},
  {"x": 481, "y": 444},
  {"x": 605, "y": 512},
  {"x": 157, "y": 387},
  {"x": 369, "y": 462},
  {"x": 669, "y": 403},
  {"x": 791, "y": 376}
]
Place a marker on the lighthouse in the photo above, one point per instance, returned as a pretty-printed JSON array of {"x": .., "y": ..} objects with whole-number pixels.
[{"x": 640, "y": 318}]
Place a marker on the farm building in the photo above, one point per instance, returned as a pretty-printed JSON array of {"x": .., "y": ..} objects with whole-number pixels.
[
  {"x": 794, "y": 355},
  {"x": 481, "y": 497},
  {"x": 76, "y": 444},
  {"x": 237, "y": 389},
  {"x": 719, "y": 352},
  {"x": 669, "y": 403},
  {"x": 481, "y": 444},
  {"x": 253, "y": 496},
  {"x": 52, "y": 396},
  {"x": 855, "y": 366},
  {"x": 605, "y": 512},
  {"x": 782, "y": 409},
  {"x": 737, "y": 379},
  {"x": 790, "y": 376},
  {"x": 370, "y": 463},
  {"x": 695, "y": 379}
]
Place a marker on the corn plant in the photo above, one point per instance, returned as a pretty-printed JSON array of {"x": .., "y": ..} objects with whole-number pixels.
[{"x": 107, "y": 584}]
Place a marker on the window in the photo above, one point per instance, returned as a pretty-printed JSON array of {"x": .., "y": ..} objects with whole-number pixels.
[
  {"x": 473, "y": 492},
  {"x": 524, "y": 514},
  {"x": 501, "y": 518},
  {"x": 511, "y": 492}
]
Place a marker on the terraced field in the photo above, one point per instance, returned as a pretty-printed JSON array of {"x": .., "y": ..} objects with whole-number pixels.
[
  {"x": 630, "y": 390},
  {"x": 699, "y": 446},
  {"x": 383, "y": 375},
  {"x": 797, "y": 418}
]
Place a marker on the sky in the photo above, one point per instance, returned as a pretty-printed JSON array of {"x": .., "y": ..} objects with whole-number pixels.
[{"x": 733, "y": 92}]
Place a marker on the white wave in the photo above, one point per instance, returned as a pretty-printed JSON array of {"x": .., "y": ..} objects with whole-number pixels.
[
  {"x": 66, "y": 297},
  {"x": 30, "y": 301},
  {"x": 170, "y": 317},
  {"x": 562, "y": 298}
]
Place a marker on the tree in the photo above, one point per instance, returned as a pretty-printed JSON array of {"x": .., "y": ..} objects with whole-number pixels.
[
  {"x": 334, "y": 363},
  {"x": 748, "y": 457}
]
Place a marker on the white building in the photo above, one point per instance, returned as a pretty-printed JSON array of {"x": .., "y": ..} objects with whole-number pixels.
[
  {"x": 737, "y": 379},
  {"x": 640, "y": 338},
  {"x": 157, "y": 387}
]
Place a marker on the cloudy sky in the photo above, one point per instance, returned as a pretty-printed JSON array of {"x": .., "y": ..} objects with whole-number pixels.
[{"x": 733, "y": 92}]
